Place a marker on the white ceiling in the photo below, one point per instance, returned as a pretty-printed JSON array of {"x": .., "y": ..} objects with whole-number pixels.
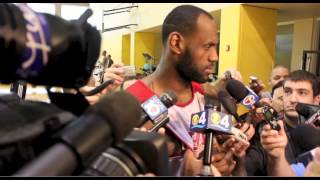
[
  {"x": 292, "y": 11},
  {"x": 287, "y": 12}
]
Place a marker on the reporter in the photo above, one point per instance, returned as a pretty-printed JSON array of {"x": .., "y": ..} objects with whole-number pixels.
[
  {"x": 299, "y": 86},
  {"x": 116, "y": 73},
  {"x": 274, "y": 143}
]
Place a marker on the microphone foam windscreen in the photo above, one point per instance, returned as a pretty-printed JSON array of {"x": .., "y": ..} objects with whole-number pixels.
[
  {"x": 236, "y": 89},
  {"x": 169, "y": 98},
  {"x": 210, "y": 102},
  {"x": 227, "y": 102},
  {"x": 306, "y": 136},
  {"x": 122, "y": 112},
  {"x": 306, "y": 110}
]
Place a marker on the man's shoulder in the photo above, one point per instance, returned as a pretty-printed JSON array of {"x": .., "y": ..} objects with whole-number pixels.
[
  {"x": 139, "y": 89},
  {"x": 129, "y": 83},
  {"x": 197, "y": 87}
]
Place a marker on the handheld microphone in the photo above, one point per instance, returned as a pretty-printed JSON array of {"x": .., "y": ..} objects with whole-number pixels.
[
  {"x": 305, "y": 136},
  {"x": 310, "y": 112},
  {"x": 228, "y": 103},
  {"x": 242, "y": 94},
  {"x": 211, "y": 122},
  {"x": 156, "y": 109},
  {"x": 84, "y": 139},
  {"x": 251, "y": 100},
  {"x": 98, "y": 88},
  {"x": 210, "y": 104}
]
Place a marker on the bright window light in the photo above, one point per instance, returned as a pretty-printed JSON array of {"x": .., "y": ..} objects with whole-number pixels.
[
  {"x": 70, "y": 12},
  {"x": 43, "y": 8}
]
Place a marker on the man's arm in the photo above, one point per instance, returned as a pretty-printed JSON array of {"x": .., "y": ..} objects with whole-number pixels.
[{"x": 274, "y": 143}]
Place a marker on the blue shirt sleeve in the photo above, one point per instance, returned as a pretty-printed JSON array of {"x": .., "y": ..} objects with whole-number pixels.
[{"x": 298, "y": 169}]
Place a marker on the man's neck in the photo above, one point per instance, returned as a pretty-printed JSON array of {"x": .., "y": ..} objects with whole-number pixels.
[
  {"x": 167, "y": 78},
  {"x": 291, "y": 121}
]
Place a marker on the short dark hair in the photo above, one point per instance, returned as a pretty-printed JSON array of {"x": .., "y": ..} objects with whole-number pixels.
[
  {"x": 302, "y": 75},
  {"x": 182, "y": 19},
  {"x": 279, "y": 84}
]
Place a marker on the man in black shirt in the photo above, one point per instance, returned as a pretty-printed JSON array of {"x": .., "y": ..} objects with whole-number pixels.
[{"x": 299, "y": 86}]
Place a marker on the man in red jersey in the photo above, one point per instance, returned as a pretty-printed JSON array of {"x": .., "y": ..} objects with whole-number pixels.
[{"x": 189, "y": 39}]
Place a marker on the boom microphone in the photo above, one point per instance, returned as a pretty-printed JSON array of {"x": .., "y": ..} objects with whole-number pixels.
[{"x": 84, "y": 139}]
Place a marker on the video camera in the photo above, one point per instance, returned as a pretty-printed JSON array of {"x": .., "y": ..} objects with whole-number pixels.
[{"x": 63, "y": 138}]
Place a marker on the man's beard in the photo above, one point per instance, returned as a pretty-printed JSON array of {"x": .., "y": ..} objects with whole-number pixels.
[{"x": 187, "y": 70}]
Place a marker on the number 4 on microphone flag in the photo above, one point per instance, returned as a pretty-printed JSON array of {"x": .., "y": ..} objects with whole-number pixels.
[{"x": 210, "y": 119}]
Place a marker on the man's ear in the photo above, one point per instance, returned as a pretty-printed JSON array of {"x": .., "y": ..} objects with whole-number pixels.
[
  {"x": 176, "y": 42},
  {"x": 316, "y": 99}
]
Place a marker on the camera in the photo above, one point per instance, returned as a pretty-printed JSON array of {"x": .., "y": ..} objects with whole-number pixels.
[
  {"x": 270, "y": 116},
  {"x": 139, "y": 153},
  {"x": 130, "y": 71}
]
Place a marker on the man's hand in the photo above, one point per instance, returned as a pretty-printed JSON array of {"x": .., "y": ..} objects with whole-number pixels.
[
  {"x": 247, "y": 129},
  {"x": 235, "y": 146},
  {"x": 274, "y": 142},
  {"x": 116, "y": 73},
  {"x": 234, "y": 75},
  {"x": 193, "y": 166},
  {"x": 224, "y": 162}
]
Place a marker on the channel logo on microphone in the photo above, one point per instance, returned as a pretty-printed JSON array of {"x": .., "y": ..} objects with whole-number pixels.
[
  {"x": 154, "y": 108},
  {"x": 198, "y": 121},
  {"x": 250, "y": 99}
]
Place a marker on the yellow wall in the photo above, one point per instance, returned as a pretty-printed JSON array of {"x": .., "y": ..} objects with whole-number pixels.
[
  {"x": 250, "y": 32},
  {"x": 229, "y": 36},
  {"x": 251, "y": 38},
  {"x": 258, "y": 40},
  {"x": 146, "y": 42},
  {"x": 126, "y": 49},
  {"x": 112, "y": 43}
]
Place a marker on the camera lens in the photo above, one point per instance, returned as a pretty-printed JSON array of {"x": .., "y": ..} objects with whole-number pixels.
[{"x": 116, "y": 162}]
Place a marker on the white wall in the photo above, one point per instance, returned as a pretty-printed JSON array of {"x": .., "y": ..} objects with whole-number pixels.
[{"x": 302, "y": 40}]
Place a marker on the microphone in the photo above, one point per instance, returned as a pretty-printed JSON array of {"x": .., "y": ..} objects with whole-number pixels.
[
  {"x": 307, "y": 110},
  {"x": 242, "y": 94},
  {"x": 84, "y": 139},
  {"x": 230, "y": 106},
  {"x": 306, "y": 137},
  {"x": 98, "y": 88},
  {"x": 156, "y": 109},
  {"x": 211, "y": 122},
  {"x": 251, "y": 100},
  {"x": 210, "y": 104},
  {"x": 228, "y": 103},
  {"x": 44, "y": 49}
]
